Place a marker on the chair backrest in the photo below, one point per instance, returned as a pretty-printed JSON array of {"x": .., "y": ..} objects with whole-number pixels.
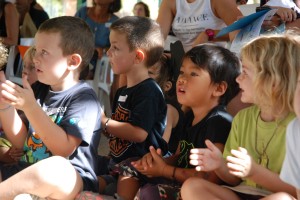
[
  {"x": 104, "y": 74},
  {"x": 103, "y": 78},
  {"x": 14, "y": 66}
]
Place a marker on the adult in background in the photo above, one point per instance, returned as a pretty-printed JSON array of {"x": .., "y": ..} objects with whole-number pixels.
[
  {"x": 99, "y": 17},
  {"x": 141, "y": 9},
  {"x": 32, "y": 16},
  {"x": 197, "y": 21},
  {"x": 9, "y": 23}
]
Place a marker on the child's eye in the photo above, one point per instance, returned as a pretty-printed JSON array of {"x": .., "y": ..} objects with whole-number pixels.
[
  {"x": 244, "y": 73},
  {"x": 150, "y": 73},
  {"x": 44, "y": 52},
  {"x": 115, "y": 48},
  {"x": 180, "y": 72},
  {"x": 194, "y": 74}
]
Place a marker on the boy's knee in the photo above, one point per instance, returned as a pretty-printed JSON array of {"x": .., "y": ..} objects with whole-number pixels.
[{"x": 192, "y": 184}]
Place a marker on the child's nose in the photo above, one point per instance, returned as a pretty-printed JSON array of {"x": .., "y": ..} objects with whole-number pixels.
[
  {"x": 238, "y": 78},
  {"x": 35, "y": 59},
  {"x": 181, "y": 79},
  {"x": 108, "y": 52}
]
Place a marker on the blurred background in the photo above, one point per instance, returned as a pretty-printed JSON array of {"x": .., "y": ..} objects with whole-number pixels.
[{"x": 57, "y": 8}]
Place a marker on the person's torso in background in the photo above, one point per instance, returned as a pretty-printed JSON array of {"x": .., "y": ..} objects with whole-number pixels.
[{"x": 192, "y": 19}]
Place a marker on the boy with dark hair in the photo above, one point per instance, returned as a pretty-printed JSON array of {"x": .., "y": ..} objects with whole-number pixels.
[
  {"x": 206, "y": 83},
  {"x": 139, "y": 109},
  {"x": 60, "y": 144}
]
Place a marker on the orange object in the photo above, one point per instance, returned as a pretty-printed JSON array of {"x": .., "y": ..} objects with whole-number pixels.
[{"x": 22, "y": 50}]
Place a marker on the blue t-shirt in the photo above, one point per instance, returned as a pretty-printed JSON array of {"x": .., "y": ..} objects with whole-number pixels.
[
  {"x": 78, "y": 112},
  {"x": 101, "y": 30}
]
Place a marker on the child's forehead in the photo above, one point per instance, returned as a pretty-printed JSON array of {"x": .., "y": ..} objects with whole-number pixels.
[
  {"x": 188, "y": 63},
  {"x": 117, "y": 35},
  {"x": 246, "y": 64},
  {"x": 46, "y": 38}
]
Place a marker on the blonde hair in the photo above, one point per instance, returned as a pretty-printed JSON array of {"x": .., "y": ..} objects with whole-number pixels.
[
  {"x": 277, "y": 62},
  {"x": 3, "y": 55},
  {"x": 29, "y": 53}
]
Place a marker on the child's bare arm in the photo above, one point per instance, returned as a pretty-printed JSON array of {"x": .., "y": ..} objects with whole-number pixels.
[
  {"x": 270, "y": 180},
  {"x": 123, "y": 130},
  {"x": 241, "y": 164},
  {"x": 12, "y": 124},
  {"x": 172, "y": 119},
  {"x": 55, "y": 138}
]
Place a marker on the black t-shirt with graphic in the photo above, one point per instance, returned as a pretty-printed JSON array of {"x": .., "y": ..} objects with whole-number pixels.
[
  {"x": 142, "y": 105},
  {"x": 215, "y": 127},
  {"x": 177, "y": 131},
  {"x": 78, "y": 112}
]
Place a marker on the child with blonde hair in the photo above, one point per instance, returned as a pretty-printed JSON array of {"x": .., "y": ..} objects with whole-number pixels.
[
  {"x": 9, "y": 153},
  {"x": 255, "y": 149},
  {"x": 28, "y": 67}
]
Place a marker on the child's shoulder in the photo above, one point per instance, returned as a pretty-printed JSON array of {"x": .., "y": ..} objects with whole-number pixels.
[
  {"x": 148, "y": 87},
  {"x": 219, "y": 112},
  {"x": 251, "y": 110}
]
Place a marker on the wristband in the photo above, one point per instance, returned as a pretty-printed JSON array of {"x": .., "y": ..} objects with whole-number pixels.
[
  {"x": 210, "y": 33},
  {"x": 105, "y": 125},
  {"x": 173, "y": 174}
]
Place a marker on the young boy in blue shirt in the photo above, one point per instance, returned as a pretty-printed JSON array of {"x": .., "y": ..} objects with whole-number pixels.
[{"x": 60, "y": 144}]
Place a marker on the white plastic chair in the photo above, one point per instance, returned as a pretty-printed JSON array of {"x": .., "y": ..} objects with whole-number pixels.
[
  {"x": 102, "y": 82},
  {"x": 10, "y": 67}
]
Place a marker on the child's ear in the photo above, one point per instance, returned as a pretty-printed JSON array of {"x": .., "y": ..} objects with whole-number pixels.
[
  {"x": 140, "y": 56},
  {"x": 74, "y": 61},
  {"x": 167, "y": 86},
  {"x": 220, "y": 89}
]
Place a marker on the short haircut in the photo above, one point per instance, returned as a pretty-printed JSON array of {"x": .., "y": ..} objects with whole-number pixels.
[
  {"x": 76, "y": 36},
  {"x": 276, "y": 60},
  {"x": 142, "y": 33},
  {"x": 221, "y": 64},
  {"x": 146, "y": 8}
]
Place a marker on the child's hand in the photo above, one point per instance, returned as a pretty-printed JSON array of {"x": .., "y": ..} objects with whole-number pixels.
[
  {"x": 2, "y": 81},
  {"x": 152, "y": 164},
  {"x": 143, "y": 163},
  {"x": 240, "y": 163},
  {"x": 16, "y": 153},
  {"x": 20, "y": 98},
  {"x": 206, "y": 159}
]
